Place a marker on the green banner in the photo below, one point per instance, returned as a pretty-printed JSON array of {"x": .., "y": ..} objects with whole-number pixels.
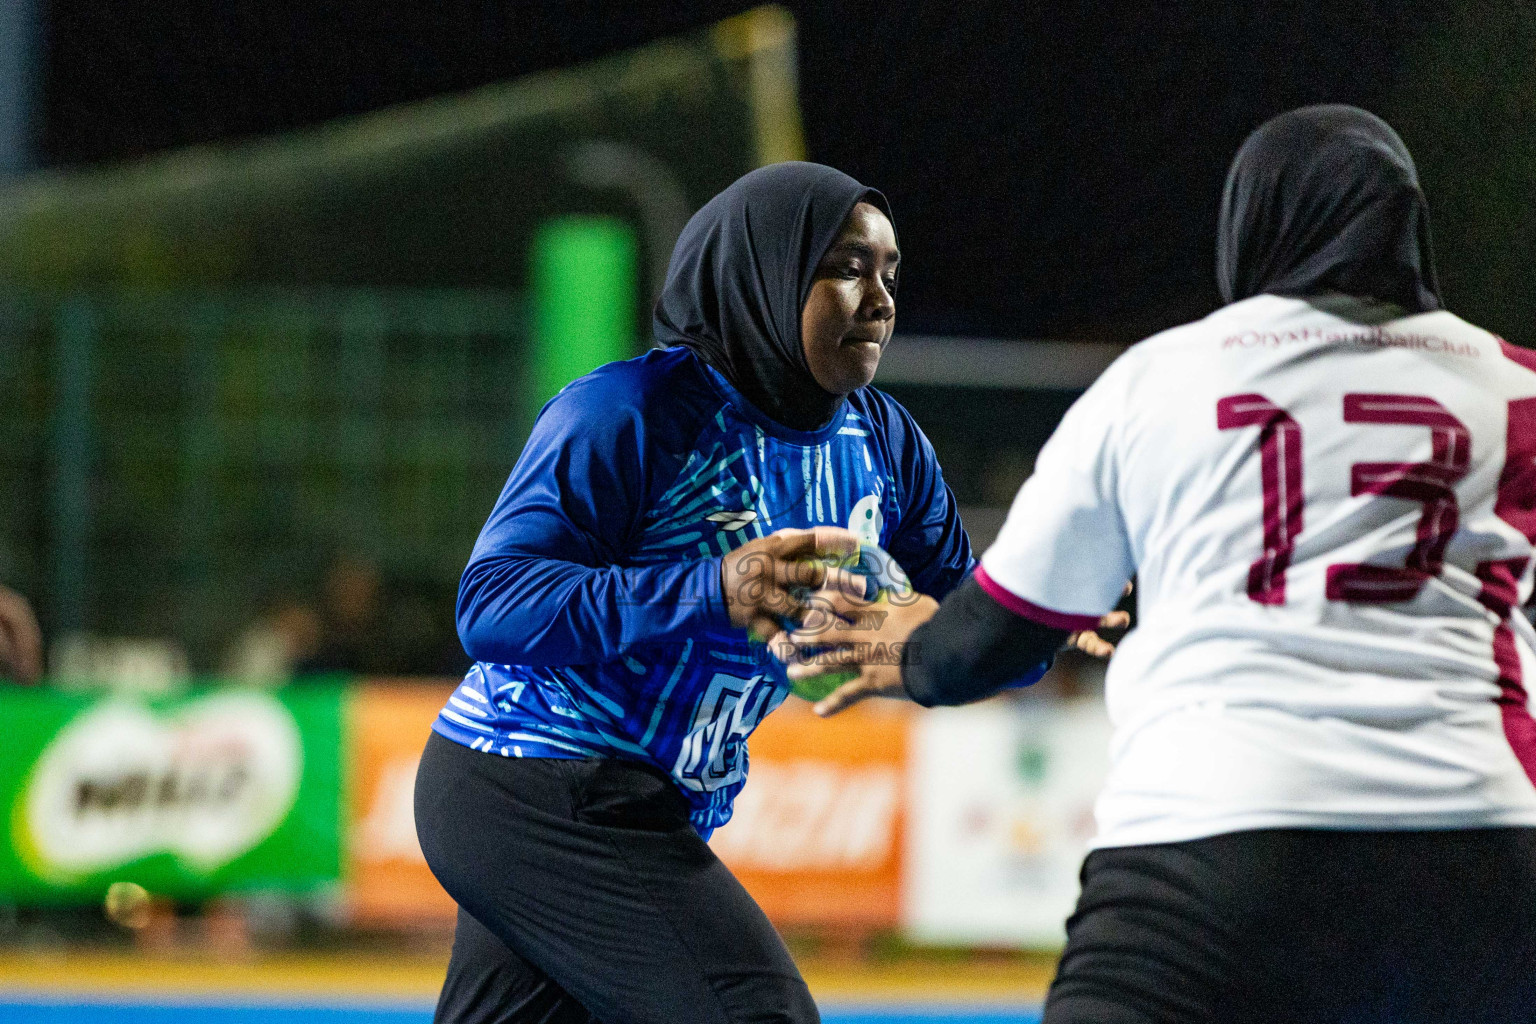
[{"x": 216, "y": 791}]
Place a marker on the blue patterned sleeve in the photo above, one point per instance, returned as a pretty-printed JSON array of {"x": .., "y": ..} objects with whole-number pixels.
[
  {"x": 930, "y": 542},
  {"x": 543, "y": 586}
]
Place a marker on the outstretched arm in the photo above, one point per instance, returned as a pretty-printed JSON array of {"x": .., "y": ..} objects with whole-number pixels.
[{"x": 964, "y": 650}]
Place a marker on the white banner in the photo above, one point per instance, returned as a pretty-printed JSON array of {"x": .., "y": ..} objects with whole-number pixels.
[{"x": 1000, "y": 816}]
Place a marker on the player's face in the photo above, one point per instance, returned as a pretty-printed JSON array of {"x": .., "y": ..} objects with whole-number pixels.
[{"x": 851, "y": 311}]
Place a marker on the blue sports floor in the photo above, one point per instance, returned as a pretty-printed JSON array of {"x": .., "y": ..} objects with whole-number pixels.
[{"x": 54, "y": 1010}]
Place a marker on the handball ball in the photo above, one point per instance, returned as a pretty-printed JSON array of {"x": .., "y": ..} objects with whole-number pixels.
[{"x": 883, "y": 578}]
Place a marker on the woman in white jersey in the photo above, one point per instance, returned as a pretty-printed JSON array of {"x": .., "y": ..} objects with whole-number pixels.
[{"x": 1320, "y": 805}]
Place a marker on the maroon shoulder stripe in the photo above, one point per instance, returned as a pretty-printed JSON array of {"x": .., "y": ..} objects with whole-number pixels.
[
  {"x": 1031, "y": 611},
  {"x": 1515, "y": 354}
]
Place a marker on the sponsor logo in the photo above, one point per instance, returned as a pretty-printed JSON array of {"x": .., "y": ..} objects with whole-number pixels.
[
  {"x": 730, "y": 521},
  {"x": 813, "y": 815},
  {"x": 205, "y": 783}
]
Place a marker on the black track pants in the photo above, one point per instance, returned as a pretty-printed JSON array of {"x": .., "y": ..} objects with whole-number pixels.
[{"x": 585, "y": 895}]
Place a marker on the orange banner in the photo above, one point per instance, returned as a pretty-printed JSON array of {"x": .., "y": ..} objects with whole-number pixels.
[
  {"x": 387, "y": 878},
  {"x": 817, "y": 836}
]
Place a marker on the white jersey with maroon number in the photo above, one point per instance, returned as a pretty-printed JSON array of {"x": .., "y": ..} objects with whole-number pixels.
[{"x": 1332, "y": 526}]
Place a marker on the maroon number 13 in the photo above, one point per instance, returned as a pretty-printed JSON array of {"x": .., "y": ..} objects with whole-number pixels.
[{"x": 1428, "y": 483}]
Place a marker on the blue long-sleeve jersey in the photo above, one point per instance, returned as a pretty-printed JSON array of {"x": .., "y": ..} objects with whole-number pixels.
[{"x": 592, "y": 603}]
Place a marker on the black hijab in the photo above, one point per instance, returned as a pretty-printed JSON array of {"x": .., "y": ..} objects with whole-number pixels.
[
  {"x": 740, "y": 275},
  {"x": 1326, "y": 199}
]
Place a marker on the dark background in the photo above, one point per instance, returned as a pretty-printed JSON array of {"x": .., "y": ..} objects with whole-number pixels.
[{"x": 1054, "y": 168}]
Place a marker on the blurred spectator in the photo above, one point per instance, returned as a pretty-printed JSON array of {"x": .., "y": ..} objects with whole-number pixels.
[
  {"x": 357, "y": 621},
  {"x": 269, "y": 650},
  {"x": 353, "y": 637},
  {"x": 21, "y": 641},
  {"x": 149, "y": 666}
]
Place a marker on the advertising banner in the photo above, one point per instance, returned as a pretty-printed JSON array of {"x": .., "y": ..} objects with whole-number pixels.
[
  {"x": 817, "y": 835},
  {"x": 1001, "y": 814},
  {"x": 190, "y": 796},
  {"x": 958, "y": 826},
  {"x": 387, "y": 878}
]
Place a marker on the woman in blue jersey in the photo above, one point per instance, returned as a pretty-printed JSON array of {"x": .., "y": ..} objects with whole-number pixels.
[{"x": 662, "y": 507}]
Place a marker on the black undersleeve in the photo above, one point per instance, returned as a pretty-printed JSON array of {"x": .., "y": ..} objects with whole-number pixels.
[{"x": 972, "y": 648}]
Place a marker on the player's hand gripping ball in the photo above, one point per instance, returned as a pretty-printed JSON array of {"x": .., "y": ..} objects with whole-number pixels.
[{"x": 883, "y": 580}]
